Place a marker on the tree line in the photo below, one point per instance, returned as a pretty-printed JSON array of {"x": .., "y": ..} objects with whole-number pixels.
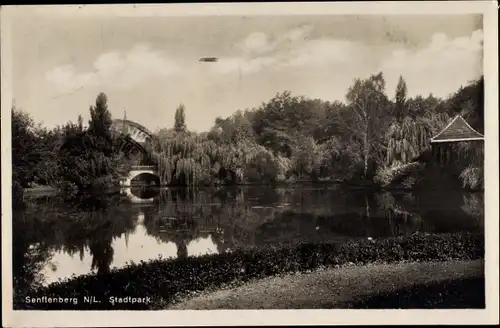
[{"x": 370, "y": 138}]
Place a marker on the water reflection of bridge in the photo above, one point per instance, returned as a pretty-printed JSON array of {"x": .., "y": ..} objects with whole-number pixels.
[{"x": 136, "y": 199}]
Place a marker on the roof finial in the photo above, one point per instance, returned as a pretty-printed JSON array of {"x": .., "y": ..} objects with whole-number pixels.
[{"x": 124, "y": 126}]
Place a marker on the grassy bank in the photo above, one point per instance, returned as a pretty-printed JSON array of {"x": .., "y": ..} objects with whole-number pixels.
[
  {"x": 444, "y": 284},
  {"x": 166, "y": 281},
  {"x": 463, "y": 293},
  {"x": 40, "y": 191}
]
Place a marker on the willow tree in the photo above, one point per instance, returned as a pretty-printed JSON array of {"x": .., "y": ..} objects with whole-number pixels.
[
  {"x": 185, "y": 159},
  {"x": 408, "y": 136},
  {"x": 406, "y": 140},
  {"x": 194, "y": 159}
]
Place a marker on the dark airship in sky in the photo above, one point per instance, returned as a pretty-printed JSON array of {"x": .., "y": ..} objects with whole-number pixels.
[{"x": 209, "y": 59}]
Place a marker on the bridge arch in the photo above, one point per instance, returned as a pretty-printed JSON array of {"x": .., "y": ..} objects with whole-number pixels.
[
  {"x": 134, "y": 136},
  {"x": 147, "y": 177},
  {"x": 129, "y": 145},
  {"x": 138, "y": 170},
  {"x": 138, "y": 132}
]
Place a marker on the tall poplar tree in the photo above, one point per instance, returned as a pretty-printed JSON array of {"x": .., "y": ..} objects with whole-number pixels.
[
  {"x": 100, "y": 125},
  {"x": 400, "y": 106},
  {"x": 180, "y": 119}
]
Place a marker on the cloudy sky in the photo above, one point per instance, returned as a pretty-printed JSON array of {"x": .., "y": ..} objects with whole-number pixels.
[{"x": 147, "y": 66}]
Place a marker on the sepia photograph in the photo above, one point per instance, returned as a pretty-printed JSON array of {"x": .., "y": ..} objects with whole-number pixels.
[{"x": 190, "y": 157}]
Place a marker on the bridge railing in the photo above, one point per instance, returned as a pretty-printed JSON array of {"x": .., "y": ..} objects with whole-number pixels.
[{"x": 143, "y": 167}]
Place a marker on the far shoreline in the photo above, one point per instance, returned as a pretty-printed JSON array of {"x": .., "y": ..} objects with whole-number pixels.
[{"x": 42, "y": 191}]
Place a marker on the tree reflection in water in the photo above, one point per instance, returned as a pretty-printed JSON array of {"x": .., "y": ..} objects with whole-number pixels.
[
  {"x": 29, "y": 256},
  {"x": 40, "y": 230},
  {"x": 100, "y": 246},
  {"x": 182, "y": 216},
  {"x": 230, "y": 218}
]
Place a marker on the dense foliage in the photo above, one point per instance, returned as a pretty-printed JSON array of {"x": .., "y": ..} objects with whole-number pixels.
[
  {"x": 165, "y": 281},
  {"x": 368, "y": 139},
  {"x": 79, "y": 160}
]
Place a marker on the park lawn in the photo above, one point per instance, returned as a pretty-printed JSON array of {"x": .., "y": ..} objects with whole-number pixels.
[{"x": 448, "y": 284}]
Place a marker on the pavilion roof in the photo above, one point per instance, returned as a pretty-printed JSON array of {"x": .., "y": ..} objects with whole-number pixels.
[{"x": 457, "y": 130}]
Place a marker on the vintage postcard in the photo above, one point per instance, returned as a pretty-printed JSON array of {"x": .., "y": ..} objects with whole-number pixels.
[{"x": 281, "y": 163}]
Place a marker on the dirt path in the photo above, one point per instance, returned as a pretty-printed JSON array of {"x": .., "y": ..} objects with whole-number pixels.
[{"x": 332, "y": 287}]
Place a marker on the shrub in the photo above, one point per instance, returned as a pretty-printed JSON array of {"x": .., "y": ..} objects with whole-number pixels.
[
  {"x": 387, "y": 175},
  {"x": 472, "y": 177}
]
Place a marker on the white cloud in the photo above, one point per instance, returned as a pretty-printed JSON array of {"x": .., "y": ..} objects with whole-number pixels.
[
  {"x": 441, "y": 67},
  {"x": 330, "y": 65},
  {"x": 259, "y": 43},
  {"x": 290, "y": 50},
  {"x": 243, "y": 65},
  {"x": 320, "y": 67},
  {"x": 256, "y": 43},
  {"x": 441, "y": 58},
  {"x": 298, "y": 33},
  {"x": 66, "y": 78},
  {"x": 117, "y": 69},
  {"x": 321, "y": 52}
]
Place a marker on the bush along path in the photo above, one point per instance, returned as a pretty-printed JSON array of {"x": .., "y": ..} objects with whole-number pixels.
[{"x": 166, "y": 281}]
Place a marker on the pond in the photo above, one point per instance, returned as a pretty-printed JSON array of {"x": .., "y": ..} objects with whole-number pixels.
[{"x": 53, "y": 241}]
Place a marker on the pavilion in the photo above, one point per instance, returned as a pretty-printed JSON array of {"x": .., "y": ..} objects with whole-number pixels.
[{"x": 457, "y": 131}]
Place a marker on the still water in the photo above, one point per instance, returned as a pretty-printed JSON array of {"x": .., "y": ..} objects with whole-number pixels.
[{"x": 55, "y": 241}]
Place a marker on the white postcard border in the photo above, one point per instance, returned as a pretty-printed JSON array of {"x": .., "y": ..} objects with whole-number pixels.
[{"x": 261, "y": 317}]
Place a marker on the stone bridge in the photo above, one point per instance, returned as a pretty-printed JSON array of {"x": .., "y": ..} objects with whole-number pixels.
[
  {"x": 136, "y": 131},
  {"x": 139, "y": 136},
  {"x": 136, "y": 136},
  {"x": 137, "y": 170}
]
